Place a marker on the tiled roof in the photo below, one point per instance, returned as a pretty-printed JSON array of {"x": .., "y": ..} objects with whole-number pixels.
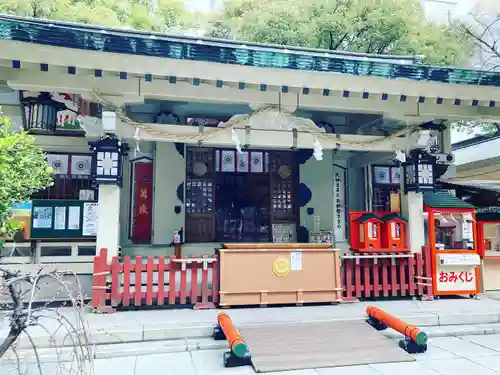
[
  {"x": 101, "y": 39},
  {"x": 393, "y": 216},
  {"x": 443, "y": 199},
  {"x": 366, "y": 217}
]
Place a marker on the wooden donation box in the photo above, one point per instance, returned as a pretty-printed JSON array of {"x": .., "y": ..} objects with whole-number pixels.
[
  {"x": 393, "y": 233},
  {"x": 370, "y": 227},
  {"x": 377, "y": 232},
  {"x": 279, "y": 273}
]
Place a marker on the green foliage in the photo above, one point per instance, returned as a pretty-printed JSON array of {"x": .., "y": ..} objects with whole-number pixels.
[
  {"x": 370, "y": 26},
  {"x": 135, "y": 14},
  {"x": 471, "y": 126},
  {"x": 23, "y": 171}
]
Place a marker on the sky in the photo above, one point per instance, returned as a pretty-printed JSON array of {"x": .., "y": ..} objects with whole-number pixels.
[{"x": 202, "y": 4}]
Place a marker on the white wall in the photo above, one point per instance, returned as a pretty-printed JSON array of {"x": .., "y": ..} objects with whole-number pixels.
[
  {"x": 169, "y": 172},
  {"x": 318, "y": 176},
  {"x": 10, "y": 106}
]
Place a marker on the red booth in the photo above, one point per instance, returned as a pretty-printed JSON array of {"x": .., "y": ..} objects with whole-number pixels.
[{"x": 452, "y": 237}]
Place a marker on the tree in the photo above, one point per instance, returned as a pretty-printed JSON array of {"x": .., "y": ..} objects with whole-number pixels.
[
  {"x": 23, "y": 171},
  {"x": 484, "y": 30},
  {"x": 482, "y": 26},
  {"x": 149, "y": 15},
  {"x": 370, "y": 26}
]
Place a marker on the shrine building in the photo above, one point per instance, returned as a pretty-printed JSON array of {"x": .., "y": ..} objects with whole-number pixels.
[{"x": 156, "y": 139}]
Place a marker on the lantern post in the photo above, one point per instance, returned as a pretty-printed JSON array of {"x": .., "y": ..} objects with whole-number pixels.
[
  {"x": 107, "y": 173},
  {"x": 40, "y": 113},
  {"x": 107, "y": 160}
]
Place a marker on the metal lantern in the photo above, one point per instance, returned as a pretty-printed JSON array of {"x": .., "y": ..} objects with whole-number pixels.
[
  {"x": 107, "y": 159},
  {"x": 40, "y": 113},
  {"x": 419, "y": 172}
]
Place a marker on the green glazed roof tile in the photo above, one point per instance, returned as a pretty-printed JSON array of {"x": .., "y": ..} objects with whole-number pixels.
[
  {"x": 96, "y": 38},
  {"x": 393, "y": 216},
  {"x": 366, "y": 217},
  {"x": 443, "y": 199}
]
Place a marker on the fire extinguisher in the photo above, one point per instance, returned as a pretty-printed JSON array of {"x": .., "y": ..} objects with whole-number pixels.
[{"x": 177, "y": 244}]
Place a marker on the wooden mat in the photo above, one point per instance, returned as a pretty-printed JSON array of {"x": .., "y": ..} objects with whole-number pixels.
[{"x": 280, "y": 347}]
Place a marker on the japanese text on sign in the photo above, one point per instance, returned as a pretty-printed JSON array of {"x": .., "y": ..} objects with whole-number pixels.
[
  {"x": 143, "y": 209},
  {"x": 339, "y": 203},
  {"x": 454, "y": 277}
]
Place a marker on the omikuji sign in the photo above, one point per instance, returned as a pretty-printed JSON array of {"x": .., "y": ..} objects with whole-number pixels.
[{"x": 456, "y": 278}]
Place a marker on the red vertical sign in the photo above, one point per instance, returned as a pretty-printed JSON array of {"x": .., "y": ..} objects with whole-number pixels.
[{"x": 143, "y": 194}]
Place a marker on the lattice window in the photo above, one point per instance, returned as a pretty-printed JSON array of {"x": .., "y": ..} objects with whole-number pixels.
[
  {"x": 282, "y": 186},
  {"x": 200, "y": 163},
  {"x": 199, "y": 183},
  {"x": 199, "y": 196},
  {"x": 66, "y": 187}
]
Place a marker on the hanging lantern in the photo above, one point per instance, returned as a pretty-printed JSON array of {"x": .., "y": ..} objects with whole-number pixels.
[
  {"x": 419, "y": 173},
  {"x": 107, "y": 160},
  {"x": 40, "y": 113}
]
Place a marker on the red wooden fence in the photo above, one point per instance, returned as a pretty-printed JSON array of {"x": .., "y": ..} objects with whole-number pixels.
[
  {"x": 153, "y": 281},
  {"x": 387, "y": 275},
  {"x": 195, "y": 281}
]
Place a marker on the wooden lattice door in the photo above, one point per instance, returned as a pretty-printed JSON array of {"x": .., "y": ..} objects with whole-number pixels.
[
  {"x": 284, "y": 186},
  {"x": 200, "y": 206}
]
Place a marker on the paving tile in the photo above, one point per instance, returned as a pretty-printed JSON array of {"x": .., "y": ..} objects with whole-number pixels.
[
  {"x": 433, "y": 352},
  {"x": 407, "y": 368},
  {"x": 491, "y": 362},
  {"x": 64, "y": 368},
  {"x": 489, "y": 341},
  {"x": 209, "y": 362},
  {"x": 170, "y": 363},
  {"x": 115, "y": 366},
  {"x": 348, "y": 370},
  {"x": 461, "y": 348},
  {"x": 456, "y": 366},
  {"x": 296, "y": 372}
]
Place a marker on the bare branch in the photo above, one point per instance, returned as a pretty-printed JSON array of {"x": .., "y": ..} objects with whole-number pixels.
[
  {"x": 491, "y": 47},
  {"x": 68, "y": 337}
]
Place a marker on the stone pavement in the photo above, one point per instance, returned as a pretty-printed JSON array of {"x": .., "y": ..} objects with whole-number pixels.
[
  {"x": 466, "y": 355},
  {"x": 135, "y": 326}
]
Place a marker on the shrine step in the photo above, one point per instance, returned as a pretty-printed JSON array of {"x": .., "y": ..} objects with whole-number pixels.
[{"x": 128, "y": 349}]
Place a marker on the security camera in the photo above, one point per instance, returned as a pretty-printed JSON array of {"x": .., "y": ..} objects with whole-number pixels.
[{"x": 444, "y": 158}]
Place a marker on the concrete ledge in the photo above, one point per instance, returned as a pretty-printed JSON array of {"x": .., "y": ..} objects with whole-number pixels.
[
  {"x": 169, "y": 333},
  {"x": 453, "y": 331},
  {"x": 126, "y": 329},
  {"x": 469, "y": 318}
]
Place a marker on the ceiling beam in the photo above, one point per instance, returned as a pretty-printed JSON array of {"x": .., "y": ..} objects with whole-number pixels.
[
  {"x": 259, "y": 138},
  {"x": 134, "y": 91}
]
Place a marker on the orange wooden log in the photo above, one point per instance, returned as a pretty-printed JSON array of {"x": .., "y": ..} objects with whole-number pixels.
[
  {"x": 397, "y": 324},
  {"x": 233, "y": 336}
]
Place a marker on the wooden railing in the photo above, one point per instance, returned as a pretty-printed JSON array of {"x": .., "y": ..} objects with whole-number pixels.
[
  {"x": 387, "y": 275},
  {"x": 154, "y": 281}
]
